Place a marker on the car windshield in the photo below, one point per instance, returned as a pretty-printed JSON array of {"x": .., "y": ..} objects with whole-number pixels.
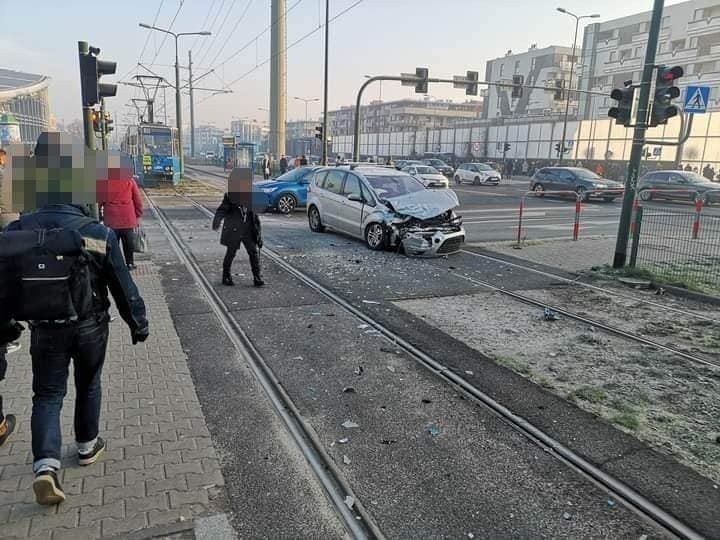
[
  {"x": 387, "y": 187},
  {"x": 436, "y": 163},
  {"x": 484, "y": 167},
  {"x": 426, "y": 170},
  {"x": 584, "y": 173}
]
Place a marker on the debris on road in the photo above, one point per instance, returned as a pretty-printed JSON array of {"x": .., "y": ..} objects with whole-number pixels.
[
  {"x": 349, "y": 501},
  {"x": 346, "y": 460},
  {"x": 349, "y": 424},
  {"x": 433, "y": 430},
  {"x": 391, "y": 369},
  {"x": 359, "y": 370},
  {"x": 348, "y": 390},
  {"x": 370, "y": 302},
  {"x": 550, "y": 315},
  {"x": 567, "y": 515},
  {"x": 344, "y": 440}
]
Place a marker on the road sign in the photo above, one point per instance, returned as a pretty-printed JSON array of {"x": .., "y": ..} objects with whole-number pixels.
[
  {"x": 696, "y": 99},
  {"x": 657, "y": 151},
  {"x": 409, "y": 79}
]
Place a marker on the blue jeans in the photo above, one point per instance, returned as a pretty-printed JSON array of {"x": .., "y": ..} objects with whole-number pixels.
[{"x": 51, "y": 349}]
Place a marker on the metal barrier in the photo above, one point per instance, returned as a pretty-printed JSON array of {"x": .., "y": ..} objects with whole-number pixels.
[
  {"x": 678, "y": 246},
  {"x": 578, "y": 208}
]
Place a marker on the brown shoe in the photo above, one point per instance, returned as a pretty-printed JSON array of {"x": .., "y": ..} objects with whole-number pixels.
[{"x": 7, "y": 427}]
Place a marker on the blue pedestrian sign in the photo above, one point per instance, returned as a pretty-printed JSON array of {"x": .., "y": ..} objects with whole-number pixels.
[{"x": 696, "y": 99}]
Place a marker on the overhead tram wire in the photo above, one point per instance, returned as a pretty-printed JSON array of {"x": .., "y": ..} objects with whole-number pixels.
[
  {"x": 296, "y": 42},
  {"x": 147, "y": 39},
  {"x": 212, "y": 27},
  {"x": 232, "y": 32},
  {"x": 172, "y": 23},
  {"x": 216, "y": 34},
  {"x": 207, "y": 16}
]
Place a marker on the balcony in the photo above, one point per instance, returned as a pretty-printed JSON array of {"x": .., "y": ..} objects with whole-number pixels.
[
  {"x": 607, "y": 45},
  {"x": 624, "y": 65},
  {"x": 678, "y": 56},
  {"x": 703, "y": 26}
]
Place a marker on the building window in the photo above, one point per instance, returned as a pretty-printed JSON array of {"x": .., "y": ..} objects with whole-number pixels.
[
  {"x": 699, "y": 15},
  {"x": 625, "y": 54},
  {"x": 502, "y": 69},
  {"x": 665, "y": 22},
  {"x": 642, "y": 27},
  {"x": 517, "y": 66},
  {"x": 693, "y": 43},
  {"x": 638, "y": 52},
  {"x": 680, "y": 44},
  {"x": 533, "y": 61},
  {"x": 613, "y": 56}
]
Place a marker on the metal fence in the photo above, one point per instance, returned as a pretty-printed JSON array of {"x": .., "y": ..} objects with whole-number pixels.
[{"x": 680, "y": 247}]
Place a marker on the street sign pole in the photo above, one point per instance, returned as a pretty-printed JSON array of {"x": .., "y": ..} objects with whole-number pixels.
[{"x": 638, "y": 137}]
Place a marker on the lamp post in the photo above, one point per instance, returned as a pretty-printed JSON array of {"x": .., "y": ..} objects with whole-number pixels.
[
  {"x": 572, "y": 69},
  {"x": 178, "y": 103},
  {"x": 379, "y": 85},
  {"x": 306, "y": 101}
]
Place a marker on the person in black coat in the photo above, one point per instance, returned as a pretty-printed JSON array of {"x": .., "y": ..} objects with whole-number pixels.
[{"x": 241, "y": 225}]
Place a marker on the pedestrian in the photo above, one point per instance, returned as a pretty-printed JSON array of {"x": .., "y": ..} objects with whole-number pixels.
[
  {"x": 283, "y": 164},
  {"x": 339, "y": 160},
  {"x": 9, "y": 332},
  {"x": 121, "y": 203},
  {"x": 525, "y": 168},
  {"x": 265, "y": 165},
  {"x": 600, "y": 170},
  {"x": 296, "y": 163},
  {"x": 68, "y": 318},
  {"x": 509, "y": 169},
  {"x": 241, "y": 225},
  {"x": 303, "y": 161},
  {"x": 708, "y": 172},
  {"x": 688, "y": 168},
  {"x": 5, "y": 218}
]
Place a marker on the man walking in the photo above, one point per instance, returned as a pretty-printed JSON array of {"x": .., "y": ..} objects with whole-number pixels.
[
  {"x": 283, "y": 165},
  {"x": 68, "y": 317},
  {"x": 303, "y": 161},
  {"x": 266, "y": 164}
]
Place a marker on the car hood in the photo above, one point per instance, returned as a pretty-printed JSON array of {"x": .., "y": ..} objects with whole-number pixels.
[
  {"x": 272, "y": 184},
  {"x": 490, "y": 173},
  {"x": 608, "y": 183},
  {"x": 425, "y": 204},
  {"x": 438, "y": 177}
]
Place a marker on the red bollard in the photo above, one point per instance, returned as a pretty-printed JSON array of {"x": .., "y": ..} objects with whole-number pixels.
[
  {"x": 520, "y": 216},
  {"x": 696, "y": 224},
  {"x": 576, "y": 225}
]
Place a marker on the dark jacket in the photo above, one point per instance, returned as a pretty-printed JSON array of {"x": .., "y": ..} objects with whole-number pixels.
[
  {"x": 110, "y": 272},
  {"x": 234, "y": 226}
]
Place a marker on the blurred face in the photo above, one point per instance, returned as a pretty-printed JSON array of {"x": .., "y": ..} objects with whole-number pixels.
[
  {"x": 240, "y": 187},
  {"x": 2, "y": 159}
]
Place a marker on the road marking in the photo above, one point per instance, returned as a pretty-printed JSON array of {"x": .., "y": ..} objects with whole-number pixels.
[{"x": 530, "y": 209}]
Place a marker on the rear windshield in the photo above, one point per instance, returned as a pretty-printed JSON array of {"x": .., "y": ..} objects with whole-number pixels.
[{"x": 388, "y": 187}]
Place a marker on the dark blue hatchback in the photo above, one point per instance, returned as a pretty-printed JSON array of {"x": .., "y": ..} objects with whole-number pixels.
[{"x": 288, "y": 191}]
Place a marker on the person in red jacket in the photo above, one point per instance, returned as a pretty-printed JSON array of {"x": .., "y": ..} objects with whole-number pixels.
[{"x": 121, "y": 203}]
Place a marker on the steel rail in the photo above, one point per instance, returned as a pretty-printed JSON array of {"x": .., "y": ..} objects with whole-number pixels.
[
  {"x": 629, "y": 496},
  {"x": 357, "y": 520}
]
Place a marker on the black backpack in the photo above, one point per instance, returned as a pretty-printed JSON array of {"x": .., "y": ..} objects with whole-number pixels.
[{"x": 50, "y": 272}]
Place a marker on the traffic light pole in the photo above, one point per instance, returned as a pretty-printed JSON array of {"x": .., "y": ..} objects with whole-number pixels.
[
  {"x": 103, "y": 125},
  {"x": 638, "y": 137},
  {"x": 192, "y": 105},
  {"x": 325, "y": 92},
  {"x": 178, "y": 108},
  {"x": 89, "y": 133}
]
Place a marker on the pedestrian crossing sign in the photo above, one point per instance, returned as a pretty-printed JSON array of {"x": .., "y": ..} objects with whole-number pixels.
[{"x": 696, "y": 99}]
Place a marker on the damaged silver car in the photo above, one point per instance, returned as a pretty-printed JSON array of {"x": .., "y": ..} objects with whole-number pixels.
[{"x": 386, "y": 208}]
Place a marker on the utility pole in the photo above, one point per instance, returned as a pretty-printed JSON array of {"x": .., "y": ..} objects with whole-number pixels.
[
  {"x": 192, "y": 105},
  {"x": 639, "y": 137},
  {"x": 325, "y": 91},
  {"x": 103, "y": 125},
  {"x": 278, "y": 77}
]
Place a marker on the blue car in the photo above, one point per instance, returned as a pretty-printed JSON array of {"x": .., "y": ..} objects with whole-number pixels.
[{"x": 287, "y": 191}]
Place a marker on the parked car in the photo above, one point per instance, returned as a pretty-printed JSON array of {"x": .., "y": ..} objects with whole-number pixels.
[
  {"x": 385, "y": 208},
  {"x": 287, "y": 191},
  {"x": 677, "y": 185},
  {"x": 583, "y": 182},
  {"x": 440, "y": 165},
  {"x": 402, "y": 163},
  {"x": 477, "y": 174},
  {"x": 427, "y": 175}
]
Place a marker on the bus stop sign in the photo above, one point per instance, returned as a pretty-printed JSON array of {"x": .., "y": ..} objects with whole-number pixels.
[{"x": 696, "y": 99}]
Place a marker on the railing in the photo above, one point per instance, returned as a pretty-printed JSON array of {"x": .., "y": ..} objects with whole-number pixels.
[
  {"x": 578, "y": 208},
  {"x": 678, "y": 246}
]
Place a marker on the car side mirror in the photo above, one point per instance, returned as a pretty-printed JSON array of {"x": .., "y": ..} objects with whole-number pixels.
[{"x": 356, "y": 197}]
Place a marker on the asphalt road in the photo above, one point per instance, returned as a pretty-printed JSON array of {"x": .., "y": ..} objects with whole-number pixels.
[{"x": 490, "y": 213}]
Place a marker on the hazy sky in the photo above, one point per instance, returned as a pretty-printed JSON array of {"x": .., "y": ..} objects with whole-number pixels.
[{"x": 374, "y": 37}]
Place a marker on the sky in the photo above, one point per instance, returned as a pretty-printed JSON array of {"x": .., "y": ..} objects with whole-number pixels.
[{"x": 374, "y": 37}]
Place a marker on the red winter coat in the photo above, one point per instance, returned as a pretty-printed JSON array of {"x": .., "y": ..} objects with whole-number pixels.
[{"x": 121, "y": 202}]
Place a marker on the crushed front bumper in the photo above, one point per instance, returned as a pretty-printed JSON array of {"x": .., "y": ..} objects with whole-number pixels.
[{"x": 432, "y": 243}]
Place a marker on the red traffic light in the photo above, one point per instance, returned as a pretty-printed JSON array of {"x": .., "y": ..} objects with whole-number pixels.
[{"x": 670, "y": 74}]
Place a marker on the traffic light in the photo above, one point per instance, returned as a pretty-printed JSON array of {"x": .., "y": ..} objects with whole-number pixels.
[
  {"x": 665, "y": 92},
  {"x": 517, "y": 90},
  {"x": 472, "y": 88},
  {"x": 623, "y": 112},
  {"x": 506, "y": 147},
  {"x": 421, "y": 87},
  {"x": 108, "y": 123},
  {"x": 319, "y": 132},
  {"x": 97, "y": 124},
  {"x": 559, "y": 86},
  {"x": 91, "y": 69},
  {"x": 560, "y": 148}
]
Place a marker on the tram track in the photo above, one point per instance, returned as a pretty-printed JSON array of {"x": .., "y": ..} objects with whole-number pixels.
[
  {"x": 356, "y": 519},
  {"x": 615, "y": 487}
]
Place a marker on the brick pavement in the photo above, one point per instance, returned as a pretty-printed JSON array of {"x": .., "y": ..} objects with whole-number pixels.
[{"x": 160, "y": 467}]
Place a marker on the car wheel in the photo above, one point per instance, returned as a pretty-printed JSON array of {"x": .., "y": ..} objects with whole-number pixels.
[
  {"x": 581, "y": 193},
  {"x": 314, "y": 220},
  {"x": 375, "y": 236},
  {"x": 286, "y": 203},
  {"x": 457, "y": 180},
  {"x": 608, "y": 199},
  {"x": 476, "y": 181},
  {"x": 645, "y": 195},
  {"x": 539, "y": 190}
]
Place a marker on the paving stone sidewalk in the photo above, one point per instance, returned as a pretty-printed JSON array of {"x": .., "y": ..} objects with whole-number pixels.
[
  {"x": 160, "y": 467},
  {"x": 573, "y": 256}
]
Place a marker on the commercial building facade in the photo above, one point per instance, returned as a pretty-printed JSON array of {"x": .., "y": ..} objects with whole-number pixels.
[
  {"x": 25, "y": 95},
  {"x": 251, "y": 131}
]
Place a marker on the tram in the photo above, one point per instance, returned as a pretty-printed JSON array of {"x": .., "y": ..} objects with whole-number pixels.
[{"x": 155, "y": 151}]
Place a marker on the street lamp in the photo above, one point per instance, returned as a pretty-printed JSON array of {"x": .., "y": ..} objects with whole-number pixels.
[
  {"x": 379, "y": 84},
  {"x": 572, "y": 69},
  {"x": 306, "y": 104},
  {"x": 178, "y": 103}
]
